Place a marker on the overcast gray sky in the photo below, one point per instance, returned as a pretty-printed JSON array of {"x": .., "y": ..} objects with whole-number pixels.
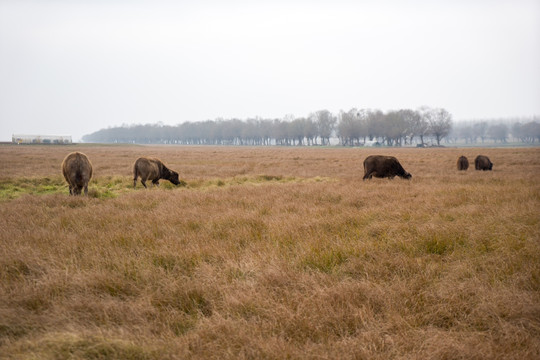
[{"x": 74, "y": 67}]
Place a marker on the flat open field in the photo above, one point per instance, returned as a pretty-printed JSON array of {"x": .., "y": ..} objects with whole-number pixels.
[{"x": 270, "y": 253}]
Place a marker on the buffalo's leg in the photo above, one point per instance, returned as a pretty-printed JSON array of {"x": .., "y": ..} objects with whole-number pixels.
[{"x": 368, "y": 176}]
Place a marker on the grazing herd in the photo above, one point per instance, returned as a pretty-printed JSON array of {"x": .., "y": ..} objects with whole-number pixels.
[
  {"x": 77, "y": 170},
  {"x": 388, "y": 166},
  {"x": 481, "y": 162}
]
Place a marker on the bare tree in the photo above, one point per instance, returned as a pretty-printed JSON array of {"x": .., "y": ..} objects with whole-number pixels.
[
  {"x": 310, "y": 130},
  {"x": 345, "y": 128},
  {"x": 498, "y": 132},
  {"x": 350, "y": 127},
  {"x": 421, "y": 123},
  {"x": 394, "y": 127},
  {"x": 375, "y": 124},
  {"x": 326, "y": 124},
  {"x": 480, "y": 130},
  {"x": 296, "y": 130},
  {"x": 440, "y": 124},
  {"x": 465, "y": 131},
  {"x": 279, "y": 132},
  {"x": 411, "y": 119},
  {"x": 527, "y": 132}
]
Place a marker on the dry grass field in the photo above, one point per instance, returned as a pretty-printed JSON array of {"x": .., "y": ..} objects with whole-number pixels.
[{"x": 270, "y": 253}]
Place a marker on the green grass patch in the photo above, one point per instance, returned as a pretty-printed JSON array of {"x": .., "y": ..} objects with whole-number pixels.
[
  {"x": 440, "y": 243},
  {"x": 101, "y": 188},
  {"x": 325, "y": 260},
  {"x": 175, "y": 264},
  {"x": 252, "y": 180},
  {"x": 107, "y": 187},
  {"x": 71, "y": 346},
  {"x": 13, "y": 188},
  {"x": 191, "y": 302}
]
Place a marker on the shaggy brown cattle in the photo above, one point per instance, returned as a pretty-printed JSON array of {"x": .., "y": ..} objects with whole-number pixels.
[
  {"x": 482, "y": 162},
  {"x": 77, "y": 171},
  {"x": 154, "y": 170},
  {"x": 383, "y": 166},
  {"x": 462, "y": 163}
]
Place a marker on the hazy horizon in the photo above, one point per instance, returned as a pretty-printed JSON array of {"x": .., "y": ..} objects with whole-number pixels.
[{"x": 72, "y": 68}]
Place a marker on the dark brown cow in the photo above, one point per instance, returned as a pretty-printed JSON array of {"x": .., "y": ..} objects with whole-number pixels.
[
  {"x": 462, "y": 163},
  {"x": 77, "y": 171},
  {"x": 482, "y": 162},
  {"x": 383, "y": 166},
  {"x": 154, "y": 170}
]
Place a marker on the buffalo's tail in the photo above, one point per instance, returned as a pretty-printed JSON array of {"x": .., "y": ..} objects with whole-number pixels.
[
  {"x": 135, "y": 175},
  {"x": 365, "y": 171}
]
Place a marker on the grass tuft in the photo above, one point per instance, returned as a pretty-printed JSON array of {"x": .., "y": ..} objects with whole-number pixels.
[
  {"x": 325, "y": 260},
  {"x": 70, "y": 346}
]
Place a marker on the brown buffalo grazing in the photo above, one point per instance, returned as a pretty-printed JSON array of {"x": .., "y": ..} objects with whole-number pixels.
[
  {"x": 154, "y": 170},
  {"x": 482, "y": 162},
  {"x": 462, "y": 163},
  {"x": 77, "y": 171},
  {"x": 383, "y": 166}
]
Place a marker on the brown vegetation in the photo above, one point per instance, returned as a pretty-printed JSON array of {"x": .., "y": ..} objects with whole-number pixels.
[{"x": 270, "y": 253}]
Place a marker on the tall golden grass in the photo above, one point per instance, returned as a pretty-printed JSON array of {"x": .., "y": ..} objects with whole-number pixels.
[{"x": 270, "y": 253}]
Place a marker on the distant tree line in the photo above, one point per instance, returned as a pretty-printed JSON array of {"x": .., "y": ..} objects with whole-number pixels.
[
  {"x": 355, "y": 127},
  {"x": 525, "y": 130},
  {"x": 393, "y": 128}
]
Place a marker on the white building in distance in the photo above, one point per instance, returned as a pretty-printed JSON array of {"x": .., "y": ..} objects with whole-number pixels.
[{"x": 41, "y": 139}]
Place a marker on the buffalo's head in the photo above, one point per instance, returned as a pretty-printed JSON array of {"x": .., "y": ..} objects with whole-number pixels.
[
  {"x": 173, "y": 177},
  {"x": 407, "y": 176}
]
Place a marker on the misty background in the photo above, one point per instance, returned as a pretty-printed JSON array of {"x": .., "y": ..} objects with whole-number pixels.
[{"x": 75, "y": 67}]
